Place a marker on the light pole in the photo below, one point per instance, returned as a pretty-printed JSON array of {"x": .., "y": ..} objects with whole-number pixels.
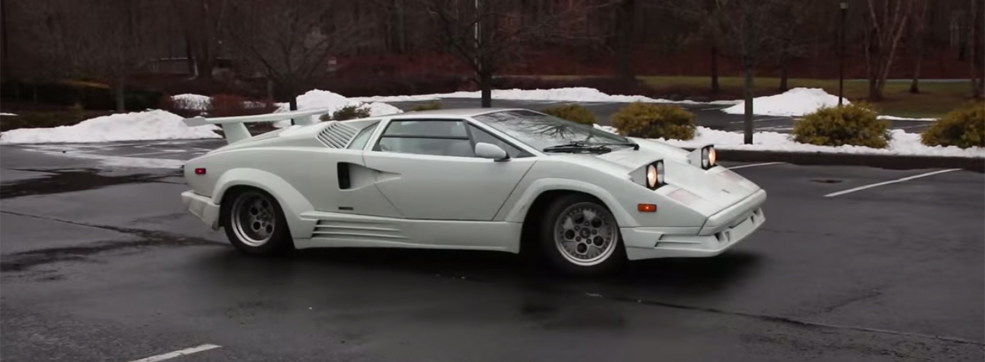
[{"x": 841, "y": 76}]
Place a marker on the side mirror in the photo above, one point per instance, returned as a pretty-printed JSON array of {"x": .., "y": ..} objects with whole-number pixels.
[{"x": 488, "y": 150}]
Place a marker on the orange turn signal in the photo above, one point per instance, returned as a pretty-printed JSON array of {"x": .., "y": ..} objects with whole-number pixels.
[{"x": 647, "y": 207}]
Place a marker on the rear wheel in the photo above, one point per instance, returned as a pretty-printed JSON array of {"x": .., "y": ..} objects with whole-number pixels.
[
  {"x": 579, "y": 235},
  {"x": 255, "y": 223}
]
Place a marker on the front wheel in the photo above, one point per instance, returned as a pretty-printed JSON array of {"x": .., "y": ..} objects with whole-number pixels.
[
  {"x": 579, "y": 235},
  {"x": 255, "y": 223}
]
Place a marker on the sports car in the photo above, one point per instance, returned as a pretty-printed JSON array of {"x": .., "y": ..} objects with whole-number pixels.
[{"x": 498, "y": 179}]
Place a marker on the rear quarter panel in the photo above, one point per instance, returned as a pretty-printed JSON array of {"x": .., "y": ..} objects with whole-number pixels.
[{"x": 308, "y": 172}]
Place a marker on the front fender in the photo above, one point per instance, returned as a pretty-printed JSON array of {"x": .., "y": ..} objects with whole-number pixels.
[
  {"x": 536, "y": 188},
  {"x": 292, "y": 202}
]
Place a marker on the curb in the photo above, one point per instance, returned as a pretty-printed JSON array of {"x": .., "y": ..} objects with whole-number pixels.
[{"x": 893, "y": 162}]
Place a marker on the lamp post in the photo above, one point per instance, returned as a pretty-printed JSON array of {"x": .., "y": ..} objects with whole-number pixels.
[{"x": 841, "y": 76}]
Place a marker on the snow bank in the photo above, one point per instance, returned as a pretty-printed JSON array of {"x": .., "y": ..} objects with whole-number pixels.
[
  {"x": 894, "y": 118},
  {"x": 572, "y": 94},
  {"x": 150, "y": 125},
  {"x": 193, "y": 101},
  {"x": 318, "y": 98},
  {"x": 794, "y": 102},
  {"x": 7, "y": 114},
  {"x": 903, "y": 143}
]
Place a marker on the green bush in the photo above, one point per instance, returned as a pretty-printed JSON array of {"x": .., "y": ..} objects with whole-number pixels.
[
  {"x": 963, "y": 127},
  {"x": 853, "y": 124},
  {"x": 427, "y": 107},
  {"x": 573, "y": 112},
  {"x": 345, "y": 113},
  {"x": 650, "y": 120}
]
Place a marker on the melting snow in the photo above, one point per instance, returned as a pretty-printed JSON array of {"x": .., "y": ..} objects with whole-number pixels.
[
  {"x": 794, "y": 102},
  {"x": 903, "y": 143},
  {"x": 150, "y": 125},
  {"x": 572, "y": 94}
]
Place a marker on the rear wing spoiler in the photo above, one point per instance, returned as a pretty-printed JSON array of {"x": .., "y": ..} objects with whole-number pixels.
[{"x": 234, "y": 128}]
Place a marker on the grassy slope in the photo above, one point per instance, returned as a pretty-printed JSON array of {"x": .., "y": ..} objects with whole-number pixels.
[{"x": 935, "y": 98}]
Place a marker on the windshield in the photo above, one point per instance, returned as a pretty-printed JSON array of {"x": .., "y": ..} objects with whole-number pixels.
[{"x": 541, "y": 130}]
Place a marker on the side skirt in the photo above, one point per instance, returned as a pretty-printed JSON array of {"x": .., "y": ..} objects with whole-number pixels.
[{"x": 348, "y": 230}]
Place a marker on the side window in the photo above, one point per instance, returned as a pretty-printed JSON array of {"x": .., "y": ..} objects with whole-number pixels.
[
  {"x": 426, "y": 137},
  {"x": 362, "y": 137},
  {"x": 482, "y": 136}
]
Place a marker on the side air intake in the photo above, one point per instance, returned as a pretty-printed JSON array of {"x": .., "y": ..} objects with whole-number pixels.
[{"x": 337, "y": 134}]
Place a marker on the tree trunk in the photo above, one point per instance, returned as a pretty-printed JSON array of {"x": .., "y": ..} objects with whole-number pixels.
[
  {"x": 715, "y": 88},
  {"x": 915, "y": 84},
  {"x": 875, "y": 92},
  {"x": 624, "y": 22},
  {"x": 120, "y": 94},
  {"x": 977, "y": 76},
  {"x": 784, "y": 69},
  {"x": 485, "y": 85},
  {"x": 747, "y": 91}
]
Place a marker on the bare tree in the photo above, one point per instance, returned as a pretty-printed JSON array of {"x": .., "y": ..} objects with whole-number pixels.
[
  {"x": 887, "y": 24},
  {"x": 918, "y": 40},
  {"x": 488, "y": 34},
  {"x": 104, "y": 39},
  {"x": 749, "y": 32},
  {"x": 703, "y": 13},
  {"x": 201, "y": 22},
  {"x": 978, "y": 50},
  {"x": 290, "y": 42}
]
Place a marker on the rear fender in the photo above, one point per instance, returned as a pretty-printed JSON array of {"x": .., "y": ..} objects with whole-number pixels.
[{"x": 291, "y": 201}]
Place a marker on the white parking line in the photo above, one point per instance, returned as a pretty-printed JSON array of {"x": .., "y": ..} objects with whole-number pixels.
[
  {"x": 763, "y": 120},
  {"x": 179, "y": 353},
  {"x": 754, "y": 165},
  {"x": 889, "y": 182}
]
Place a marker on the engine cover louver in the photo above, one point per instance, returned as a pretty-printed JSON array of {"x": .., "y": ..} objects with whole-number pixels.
[{"x": 337, "y": 135}]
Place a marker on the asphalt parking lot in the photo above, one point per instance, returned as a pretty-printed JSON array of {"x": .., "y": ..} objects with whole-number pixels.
[{"x": 100, "y": 262}]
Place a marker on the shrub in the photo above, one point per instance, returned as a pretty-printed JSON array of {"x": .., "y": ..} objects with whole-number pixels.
[
  {"x": 573, "y": 112},
  {"x": 650, "y": 120},
  {"x": 228, "y": 105},
  {"x": 853, "y": 124},
  {"x": 427, "y": 107},
  {"x": 963, "y": 127},
  {"x": 346, "y": 113}
]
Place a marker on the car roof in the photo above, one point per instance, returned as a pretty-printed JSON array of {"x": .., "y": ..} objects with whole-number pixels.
[{"x": 454, "y": 112}]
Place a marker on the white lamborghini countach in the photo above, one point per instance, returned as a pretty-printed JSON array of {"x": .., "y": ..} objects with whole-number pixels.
[{"x": 471, "y": 179}]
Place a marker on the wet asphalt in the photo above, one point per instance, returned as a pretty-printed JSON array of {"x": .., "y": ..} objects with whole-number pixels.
[{"x": 100, "y": 262}]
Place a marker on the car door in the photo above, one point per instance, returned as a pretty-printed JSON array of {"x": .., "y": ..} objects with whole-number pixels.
[{"x": 428, "y": 169}]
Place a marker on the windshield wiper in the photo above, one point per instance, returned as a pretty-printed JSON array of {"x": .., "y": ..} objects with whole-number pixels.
[{"x": 578, "y": 146}]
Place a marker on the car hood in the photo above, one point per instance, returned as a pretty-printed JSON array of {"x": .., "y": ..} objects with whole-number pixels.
[{"x": 718, "y": 186}]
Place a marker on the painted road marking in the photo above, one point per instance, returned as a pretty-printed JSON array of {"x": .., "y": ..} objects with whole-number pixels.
[
  {"x": 179, "y": 353},
  {"x": 755, "y": 165},
  {"x": 889, "y": 182}
]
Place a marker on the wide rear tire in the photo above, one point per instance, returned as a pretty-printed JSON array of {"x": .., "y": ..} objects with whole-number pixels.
[
  {"x": 254, "y": 222},
  {"x": 580, "y": 236}
]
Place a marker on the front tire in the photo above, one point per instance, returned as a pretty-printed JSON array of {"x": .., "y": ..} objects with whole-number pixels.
[
  {"x": 254, "y": 222},
  {"x": 580, "y": 236}
]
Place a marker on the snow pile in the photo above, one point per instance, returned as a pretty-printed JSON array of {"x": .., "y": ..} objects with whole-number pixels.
[
  {"x": 318, "y": 98},
  {"x": 572, "y": 94},
  {"x": 794, "y": 102},
  {"x": 903, "y": 144},
  {"x": 894, "y": 118},
  {"x": 149, "y": 125},
  {"x": 193, "y": 101}
]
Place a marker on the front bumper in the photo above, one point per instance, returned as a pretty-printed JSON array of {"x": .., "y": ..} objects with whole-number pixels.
[
  {"x": 202, "y": 207},
  {"x": 720, "y": 232}
]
